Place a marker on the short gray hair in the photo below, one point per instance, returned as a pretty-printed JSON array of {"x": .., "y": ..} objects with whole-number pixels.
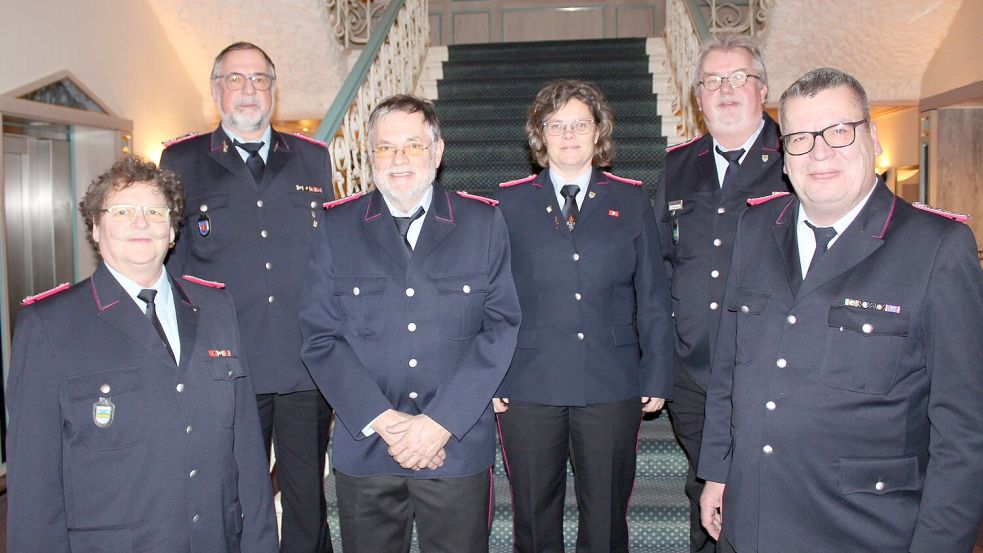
[
  {"x": 730, "y": 42},
  {"x": 407, "y": 104},
  {"x": 818, "y": 80},
  {"x": 241, "y": 46}
]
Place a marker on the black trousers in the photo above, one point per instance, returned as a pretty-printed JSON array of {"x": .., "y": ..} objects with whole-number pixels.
[
  {"x": 601, "y": 441},
  {"x": 686, "y": 411},
  {"x": 297, "y": 423},
  {"x": 453, "y": 515}
]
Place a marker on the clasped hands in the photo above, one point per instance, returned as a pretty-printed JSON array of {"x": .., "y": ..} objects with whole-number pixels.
[{"x": 415, "y": 441}]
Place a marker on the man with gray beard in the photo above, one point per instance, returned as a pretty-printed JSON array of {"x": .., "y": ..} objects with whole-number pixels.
[
  {"x": 253, "y": 195},
  {"x": 410, "y": 318}
]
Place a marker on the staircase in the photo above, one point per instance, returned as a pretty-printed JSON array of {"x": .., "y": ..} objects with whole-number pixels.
[
  {"x": 481, "y": 95},
  {"x": 486, "y": 89}
]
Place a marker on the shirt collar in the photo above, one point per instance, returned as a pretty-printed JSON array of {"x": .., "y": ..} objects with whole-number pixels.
[
  {"x": 163, "y": 287},
  {"x": 746, "y": 146},
  {"x": 843, "y": 222},
  {"x": 264, "y": 152},
  {"x": 424, "y": 203}
]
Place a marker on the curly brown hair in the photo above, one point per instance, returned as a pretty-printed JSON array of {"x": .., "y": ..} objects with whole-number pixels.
[
  {"x": 553, "y": 97},
  {"x": 123, "y": 173}
]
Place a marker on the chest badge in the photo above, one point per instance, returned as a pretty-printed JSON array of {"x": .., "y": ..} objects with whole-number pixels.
[
  {"x": 103, "y": 412},
  {"x": 204, "y": 225},
  {"x": 614, "y": 213}
]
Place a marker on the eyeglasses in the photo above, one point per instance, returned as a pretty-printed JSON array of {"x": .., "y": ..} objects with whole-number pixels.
[
  {"x": 128, "y": 213},
  {"x": 235, "y": 81},
  {"x": 737, "y": 79},
  {"x": 410, "y": 149},
  {"x": 578, "y": 126},
  {"x": 839, "y": 135}
]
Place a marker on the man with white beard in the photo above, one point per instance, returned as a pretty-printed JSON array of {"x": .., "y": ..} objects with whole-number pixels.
[
  {"x": 253, "y": 195},
  {"x": 410, "y": 318}
]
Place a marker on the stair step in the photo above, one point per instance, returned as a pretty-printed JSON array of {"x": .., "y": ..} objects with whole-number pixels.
[
  {"x": 551, "y": 67},
  {"x": 515, "y": 107},
  {"x": 467, "y": 153},
  {"x": 626, "y": 47},
  {"x": 459, "y": 130},
  {"x": 472, "y": 87}
]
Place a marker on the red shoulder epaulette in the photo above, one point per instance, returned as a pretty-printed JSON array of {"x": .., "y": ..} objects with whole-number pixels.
[
  {"x": 762, "y": 199},
  {"x": 179, "y": 139},
  {"x": 311, "y": 140},
  {"x": 517, "y": 181},
  {"x": 481, "y": 199},
  {"x": 345, "y": 200},
  {"x": 203, "y": 282},
  {"x": 47, "y": 294},
  {"x": 684, "y": 144},
  {"x": 632, "y": 182},
  {"x": 961, "y": 217}
]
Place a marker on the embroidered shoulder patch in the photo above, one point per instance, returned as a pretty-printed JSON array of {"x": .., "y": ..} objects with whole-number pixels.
[
  {"x": 961, "y": 217},
  {"x": 632, "y": 182},
  {"x": 684, "y": 144},
  {"x": 179, "y": 139},
  {"x": 517, "y": 181},
  {"x": 345, "y": 200},
  {"x": 311, "y": 140},
  {"x": 762, "y": 199},
  {"x": 203, "y": 282},
  {"x": 481, "y": 199},
  {"x": 46, "y": 294}
]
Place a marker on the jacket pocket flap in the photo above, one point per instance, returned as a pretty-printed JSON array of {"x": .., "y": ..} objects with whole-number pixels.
[
  {"x": 462, "y": 284},
  {"x": 202, "y": 204},
  {"x": 225, "y": 368},
  {"x": 359, "y": 285},
  {"x": 879, "y": 475},
  {"x": 749, "y": 301},
  {"x": 104, "y": 383},
  {"x": 869, "y": 322}
]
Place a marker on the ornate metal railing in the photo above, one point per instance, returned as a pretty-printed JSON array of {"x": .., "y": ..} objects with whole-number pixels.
[
  {"x": 683, "y": 36},
  {"x": 352, "y": 20},
  {"x": 390, "y": 63},
  {"x": 743, "y": 17}
]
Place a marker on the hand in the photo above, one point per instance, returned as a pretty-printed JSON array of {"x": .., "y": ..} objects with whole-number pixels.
[
  {"x": 712, "y": 508},
  {"x": 500, "y": 404},
  {"x": 388, "y": 418},
  {"x": 421, "y": 441},
  {"x": 652, "y": 404}
]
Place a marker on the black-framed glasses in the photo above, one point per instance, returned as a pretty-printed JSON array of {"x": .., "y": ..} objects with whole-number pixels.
[
  {"x": 737, "y": 79},
  {"x": 839, "y": 135},
  {"x": 236, "y": 81},
  {"x": 578, "y": 126},
  {"x": 128, "y": 213},
  {"x": 410, "y": 149}
]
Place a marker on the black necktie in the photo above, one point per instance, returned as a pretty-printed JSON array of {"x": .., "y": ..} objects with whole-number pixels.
[
  {"x": 148, "y": 295},
  {"x": 570, "y": 210},
  {"x": 254, "y": 161},
  {"x": 403, "y": 225},
  {"x": 733, "y": 158},
  {"x": 823, "y": 237}
]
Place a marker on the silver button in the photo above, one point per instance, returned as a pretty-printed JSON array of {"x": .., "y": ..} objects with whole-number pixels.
[
  {"x": 745, "y": 309},
  {"x": 356, "y": 291},
  {"x": 259, "y": 203},
  {"x": 413, "y": 363},
  {"x": 781, "y": 363},
  {"x": 410, "y": 292},
  {"x": 413, "y": 395},
  {"x": 179, "y": 387},
  {"x": 263, "y": 233},
  {"x": 791, "y": 319},
  {"x": 580, "y": 335},
  {"x": 576, "y": 257},
  {"x": 721, "y": 210},
  {"x": 203, "y": 207},
  {"x": 195, "y": 518},
  {"x": 867, "y": 328},
  {"x": 577, "y": 296},
  {"x": 104, "y": 388},
  {"x": 270, "y": 299},
  {"x": 313, "y": 205},
  {"x": 411, "y": 327},
  {"x": 717, "y": 242},
  {"x": 231, "y": 372},
  {"x": 466, "y": 289},
  {"x": 713, "y": 306},
  {"x": 714, "y": 273},
  {"x": 768, "y": 449},
  {"x": 193, "y": 473},
  {"x": 879, "y": 486},
  {"x": 269, "y": 265},
  {"x": 188, "y": 430},
  {"x": 770, "y": 406}
]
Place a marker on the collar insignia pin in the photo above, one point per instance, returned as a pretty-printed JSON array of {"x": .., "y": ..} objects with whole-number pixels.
[
  {"x": 549, "y": 209},
  {"x": 591, "y": 194},
  {"x": 764, "y": 158}
]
